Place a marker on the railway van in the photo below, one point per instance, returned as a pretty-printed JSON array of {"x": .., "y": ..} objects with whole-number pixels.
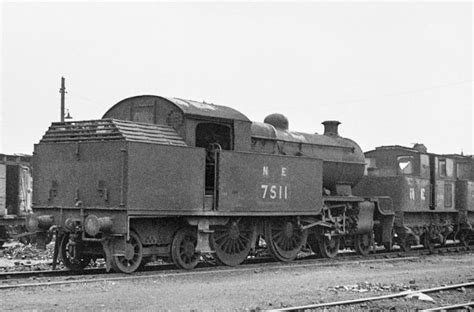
[{"x": 15, "y": 195}]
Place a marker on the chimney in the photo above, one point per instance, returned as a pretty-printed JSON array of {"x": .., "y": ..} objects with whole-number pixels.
[{"x": 330, "y": 127}]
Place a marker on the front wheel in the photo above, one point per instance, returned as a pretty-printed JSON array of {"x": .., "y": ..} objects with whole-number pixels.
[
  {"x": 329, "y": 246},
  {"x": 362, "y": 244}
]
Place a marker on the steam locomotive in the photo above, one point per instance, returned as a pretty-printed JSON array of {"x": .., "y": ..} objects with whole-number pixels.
[
  {"x": 433, "y": 195},
  {"x": 174, "y": 179}
]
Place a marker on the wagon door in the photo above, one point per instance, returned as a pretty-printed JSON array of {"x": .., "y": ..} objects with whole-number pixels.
[{"x": 25, "y": 190}]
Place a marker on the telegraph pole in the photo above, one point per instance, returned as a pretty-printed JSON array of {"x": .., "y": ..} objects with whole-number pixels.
[{"x": 63, "y": 92}]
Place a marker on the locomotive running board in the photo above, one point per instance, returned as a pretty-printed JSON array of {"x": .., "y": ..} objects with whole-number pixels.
[{"x": 342, "y": 199}]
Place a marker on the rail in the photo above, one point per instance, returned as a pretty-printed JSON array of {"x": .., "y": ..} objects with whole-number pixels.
[{"x": 361, "y": 300}]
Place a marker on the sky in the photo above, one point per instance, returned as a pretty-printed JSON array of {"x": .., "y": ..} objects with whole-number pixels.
[{"x": 393, "y": 73}]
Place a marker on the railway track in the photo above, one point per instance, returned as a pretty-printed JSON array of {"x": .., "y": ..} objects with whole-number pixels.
[
  {"x": 60, "y": 277},
  {"x": 262, "y": 259},
  {"x": 96, "y": 278},
  {"x": 347, "y": 303}
]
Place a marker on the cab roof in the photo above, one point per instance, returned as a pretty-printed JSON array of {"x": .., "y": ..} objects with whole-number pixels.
[{"x": 193, "y": 108}]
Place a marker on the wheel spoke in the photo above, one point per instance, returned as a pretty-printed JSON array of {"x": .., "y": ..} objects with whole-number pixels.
[
  {"x": 241, "y": 244},
  {"x": 362, "y": 244},
  {"x": 183, "y": 247},
  {"x": 243, "y": 238},
  {"x": 233, "y": 247},
  {"x": 71, "y": 255},
  {"x": 122, "y": 264},
  {"x": 277, "y": 236},
  {"x": 226, "y": 245},
  {"x": 294, "y": 241},
  {"x": 329, "y": 247},
  {"x": 278, "y": 240},
  {"x": 221, "y": 236}
]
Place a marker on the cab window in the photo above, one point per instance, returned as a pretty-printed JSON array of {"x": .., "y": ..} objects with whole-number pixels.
[
  {"x": 405, "y": 164},
  {"x": 212, "y": 137},
  {"x": 212, "y": 133}
]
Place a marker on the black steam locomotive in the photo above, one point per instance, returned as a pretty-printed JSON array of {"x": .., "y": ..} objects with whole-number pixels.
[
  {"x": 433, "y": 195},
  {"x": 174, "y": 179}
]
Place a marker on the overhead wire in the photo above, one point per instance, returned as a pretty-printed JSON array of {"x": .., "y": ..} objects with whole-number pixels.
[{"x": 408, "y": 91}]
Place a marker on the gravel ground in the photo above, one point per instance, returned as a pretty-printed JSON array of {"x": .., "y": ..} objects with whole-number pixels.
[
  {"x": 15, "y": 256},
  {"x": 259, "y": 287}
]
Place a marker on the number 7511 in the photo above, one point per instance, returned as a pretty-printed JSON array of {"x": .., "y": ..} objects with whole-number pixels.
[{"x": 273, "y": 191}]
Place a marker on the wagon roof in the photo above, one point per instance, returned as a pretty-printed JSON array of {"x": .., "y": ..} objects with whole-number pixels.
[
  {"x": 111, "y": 130},
  {"x": 14, "y": 158},
  {"x": 415, "y": 151},
  {"x": 398, "y": 147}
]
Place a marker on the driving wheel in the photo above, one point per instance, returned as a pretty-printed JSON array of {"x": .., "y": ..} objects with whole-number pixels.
[
  {"x": 284, "y": 238},
  {"x": 233, "y": 241}
]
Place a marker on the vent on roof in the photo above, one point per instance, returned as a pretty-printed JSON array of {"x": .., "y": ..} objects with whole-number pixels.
[
  {"x": 420, "y": 147},
  {"x": 277, "y": 120}
]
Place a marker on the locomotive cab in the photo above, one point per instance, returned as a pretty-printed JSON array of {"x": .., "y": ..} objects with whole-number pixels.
[
  {"x": 213, "y": 137},
  {"x": 203, "y": 125}
]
